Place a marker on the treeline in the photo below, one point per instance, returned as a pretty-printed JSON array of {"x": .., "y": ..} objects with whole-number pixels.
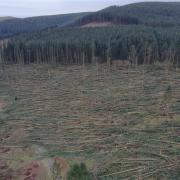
[{"x": 138, "y": 44}]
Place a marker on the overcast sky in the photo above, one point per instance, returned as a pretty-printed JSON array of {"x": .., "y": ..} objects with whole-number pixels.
[{"x": 25, "y": 8}]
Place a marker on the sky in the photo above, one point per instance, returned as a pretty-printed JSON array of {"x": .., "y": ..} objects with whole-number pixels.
[{"x": 27, "y": 8}]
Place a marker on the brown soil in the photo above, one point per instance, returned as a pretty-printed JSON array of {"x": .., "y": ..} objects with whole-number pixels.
[
  {"x": 97, "y": 24},
  {"x": 33, "y": 171}
]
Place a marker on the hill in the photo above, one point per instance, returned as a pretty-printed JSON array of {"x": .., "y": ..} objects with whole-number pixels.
[
  {"x": 4, "y": 18},
  {"x": 94, "y": 96},
  {"x": 164, "y": 14},
  {"x": 147, "y": 13},
  {"x": 131, "y": 34},
  {"x": 32, "y": 24}
]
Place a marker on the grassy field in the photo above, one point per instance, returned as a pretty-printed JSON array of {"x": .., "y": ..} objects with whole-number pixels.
[{"x": 122, "y": 122}]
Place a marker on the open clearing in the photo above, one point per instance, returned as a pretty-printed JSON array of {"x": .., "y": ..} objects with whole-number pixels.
[
  {"x": 97, "y": 24},
  {"x": 123, "y": 123}
]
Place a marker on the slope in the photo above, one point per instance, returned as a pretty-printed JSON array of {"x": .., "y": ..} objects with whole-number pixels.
[
  {"x": 5, "y": 18},
  {"x": 31, "y": 24},
  {"x": 147, "y": 13}
]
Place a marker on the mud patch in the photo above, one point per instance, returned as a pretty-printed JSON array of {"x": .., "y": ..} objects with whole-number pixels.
[
  {"x": 18, "y": 163},
  {"x": 33, "y": 171}
]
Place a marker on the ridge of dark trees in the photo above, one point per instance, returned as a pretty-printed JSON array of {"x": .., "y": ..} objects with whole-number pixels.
[
  {"x": 156, "y": 14},
  {"x": 138, "y": 44},
  {"x": 162, "y": 14},
  {"x": 18, "y": 26},
  {"x": 142, "y": 33}
]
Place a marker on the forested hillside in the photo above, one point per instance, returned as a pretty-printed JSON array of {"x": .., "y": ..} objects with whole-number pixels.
[
  {"x": 32, "y": 24},
  {"x": 138, "y": 44},
  {"x": 139, "y": 38},
  {"x": 149, "y": 13},
  {"x": 5, "y": 18}
]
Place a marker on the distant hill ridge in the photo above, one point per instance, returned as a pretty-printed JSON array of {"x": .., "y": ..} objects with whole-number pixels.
[
  {"x": 161, "y": 14},
  {"x": 4, "y": 18},
  {"x": 147, "y": 13},
  {"x": 32, "y": 24}
]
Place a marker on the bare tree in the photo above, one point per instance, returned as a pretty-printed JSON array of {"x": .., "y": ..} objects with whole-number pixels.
[{"x": 133, "y": 56}]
